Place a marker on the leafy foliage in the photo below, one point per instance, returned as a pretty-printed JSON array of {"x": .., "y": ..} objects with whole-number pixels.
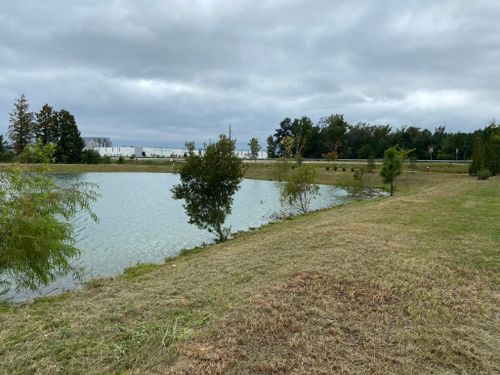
[
  {"x": 300, "y": 188},
  {"x": 486, "y": 153},
  {"x": 483, "y": 174},
  {"x": 333, "y": 133},
  {"x": 36, "y": 234},
  {"x": 392, "y": 167},
  {"x": 91, "y": 157},
  {"x": 208, "y": 183},
  {"x": 38, "y": 152}
]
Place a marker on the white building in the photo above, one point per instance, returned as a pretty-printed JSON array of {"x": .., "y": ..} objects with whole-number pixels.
[{"x": 159, "y": 152}]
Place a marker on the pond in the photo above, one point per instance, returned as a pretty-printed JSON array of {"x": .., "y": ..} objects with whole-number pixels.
[{"x": 139, "y": 222}]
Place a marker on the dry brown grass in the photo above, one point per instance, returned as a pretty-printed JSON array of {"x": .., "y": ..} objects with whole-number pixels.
[{"x": 408, "y": 284}]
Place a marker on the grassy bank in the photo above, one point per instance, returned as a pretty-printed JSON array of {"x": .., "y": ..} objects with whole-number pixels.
[{"x": 408, "y": 284}]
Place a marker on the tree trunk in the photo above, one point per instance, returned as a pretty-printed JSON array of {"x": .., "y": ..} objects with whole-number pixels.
[{"x": 392, "y": 188}]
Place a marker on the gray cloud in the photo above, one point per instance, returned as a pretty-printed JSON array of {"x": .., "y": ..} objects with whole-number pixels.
[{"x": 161, "y": 72}]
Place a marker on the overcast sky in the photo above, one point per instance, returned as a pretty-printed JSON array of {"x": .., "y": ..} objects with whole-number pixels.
[{"x": 161, "y": 72}]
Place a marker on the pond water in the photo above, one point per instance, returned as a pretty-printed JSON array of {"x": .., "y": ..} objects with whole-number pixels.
[{"x": 139, "y": 222}]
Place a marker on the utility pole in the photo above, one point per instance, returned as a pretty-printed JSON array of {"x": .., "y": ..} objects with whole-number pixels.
[{"x": 230, "y": 131}]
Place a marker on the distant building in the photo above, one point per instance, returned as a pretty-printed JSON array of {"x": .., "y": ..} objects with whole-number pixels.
[
  {"x": 95, "y": 142},
  {"x": 159, "y": 152}
]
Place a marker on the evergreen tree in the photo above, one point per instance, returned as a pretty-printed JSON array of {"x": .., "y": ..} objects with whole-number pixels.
[
  {"x": 392, "y": 167},
  {"x": 20, "y": 125},
  {"x": 45, "y": 126},
  {"x": 70, "y": 144},
  {"x": 271, "y": 147}
]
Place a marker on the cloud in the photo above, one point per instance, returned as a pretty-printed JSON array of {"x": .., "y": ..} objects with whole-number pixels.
[{"x": 163, "y": 72}]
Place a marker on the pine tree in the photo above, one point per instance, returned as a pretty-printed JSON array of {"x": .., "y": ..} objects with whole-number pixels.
[
  {"x": 70, "y": 144},
  {"x": 45, "y": 126},
  {"x": 392, "y": 167},
  {"x": 20, "y": 125}
]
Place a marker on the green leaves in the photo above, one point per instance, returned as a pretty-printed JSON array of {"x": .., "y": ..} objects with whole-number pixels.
[
  {"x": 300, "y": 188},
  {"x": 36, "y": 236},
  {"x": 208, "y": 183}
]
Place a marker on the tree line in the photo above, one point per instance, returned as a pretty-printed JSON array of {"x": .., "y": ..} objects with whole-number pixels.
[
  {"x": 42, "y": 137},
  {"x": 333, "y": 136}
]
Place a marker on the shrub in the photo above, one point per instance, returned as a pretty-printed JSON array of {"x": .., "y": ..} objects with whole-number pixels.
[
  {"x": 483, "y": 174},
  {"x": 91, "y": 157},
  {"x": 38, "y": 153}
]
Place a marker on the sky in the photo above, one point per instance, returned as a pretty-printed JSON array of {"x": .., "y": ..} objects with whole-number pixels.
[{"x": 159, "y": 72}]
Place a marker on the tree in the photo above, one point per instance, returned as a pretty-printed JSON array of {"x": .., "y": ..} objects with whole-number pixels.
[
  {"x": 38, "y": 153},
  {"x": 36, "y": 233},
  {"x": 45, "y": 125},
  {"x": 392, "y": 167},
  {"x": 20, "y": 125},
  {"x": 486, "y": 151},
  {"x": 300, "y": 188},
  {"x": 92, "y": 157},
  {"x": 254, "y": 148},
  {"x": 271, "y": 147},
  {"x": 208, "y": 183},
  {"x": 70, "y": 144},
  {"x": 370, "y": 164},
  {"x": 6, "y": 153}
]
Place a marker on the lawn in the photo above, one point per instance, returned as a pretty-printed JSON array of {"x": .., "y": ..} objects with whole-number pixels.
[{"x": 408, "y": 284}]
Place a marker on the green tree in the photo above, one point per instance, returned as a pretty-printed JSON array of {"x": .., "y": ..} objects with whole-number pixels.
[
  {"x": 6, "y": 153},
  {"x": 208, "y": 183},
  {"x": 300, "y": 188},
  {"x": 370, "y": 164},
  {"x": 254, "y": 148},
  {"x": 91, "y": 157},
  {"x": 39, "y": 153},
  {"x": 392, "y": 167},
  {"x": 70, "y": 144},
  {"x": 271, "y": 147},
  {"x": 20, "y": 125},
  {"x": 36, "y": 234},
  {"x": 486, "y": 151},
  {"x": 45, "y": 125}
]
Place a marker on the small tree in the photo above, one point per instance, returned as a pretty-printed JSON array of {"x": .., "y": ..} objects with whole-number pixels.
[
  {"x": 370, "y": 164},
  {"x": 254, "y": 148},
  {"x": 281, "y": 169},
  {"x": 300, "y": 188},
  {"x": 208, "y": 183},
  {"x": 331, "y": 156},
  {"x": 392, "y": 167},
  {"x": 20, "y": 125},
  {"x": 39, "y": 153},
  {"x": 35, "y": 229}
]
